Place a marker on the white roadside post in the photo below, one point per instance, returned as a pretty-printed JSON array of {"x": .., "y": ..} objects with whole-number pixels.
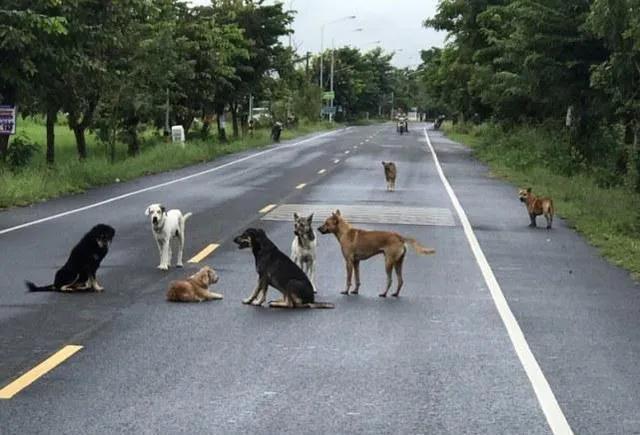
[{"x": 177, "y": 134}]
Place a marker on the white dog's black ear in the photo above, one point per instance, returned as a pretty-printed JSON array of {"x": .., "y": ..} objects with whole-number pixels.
[
  {"x": 310, "y": 218},
  {"x": 163, "y": 209},
  {"x": 147, "y": 211},
  {"x": 295, "y": 215}
]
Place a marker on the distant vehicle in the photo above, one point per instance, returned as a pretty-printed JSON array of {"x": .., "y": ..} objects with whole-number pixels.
[{"x": 262, "y": 115}]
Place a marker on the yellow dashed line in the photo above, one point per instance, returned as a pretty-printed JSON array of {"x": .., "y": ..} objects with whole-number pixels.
[
  {"x": 38, "y": 371},
  {"x": 267, "y": 209},
  {"x": 300, "y": 186},
  {"x": 204, "y": 253}
]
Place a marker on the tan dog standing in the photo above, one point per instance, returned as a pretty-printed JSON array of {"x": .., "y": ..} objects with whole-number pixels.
[
  {"x": 358, "y": 245},
  {"x": 537, "y": 206},
  {"x": 195, "y": 288},
  {"x": 390, "y": 172}
]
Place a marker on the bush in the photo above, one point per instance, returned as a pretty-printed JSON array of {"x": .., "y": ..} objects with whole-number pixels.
[{"x": 20, "y": 152}]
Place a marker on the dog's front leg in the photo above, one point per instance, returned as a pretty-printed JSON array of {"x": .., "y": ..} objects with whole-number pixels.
[
  {"x": 349, "y": 273},
  {"x": 312, "y": 275},
  {"x": 388, "y": 267},
  {"x": 532, "y": 217},
  {"x": 262, "y": 296},
  {"x": 164, "y": 254},
  {"x": 94, "y": 284},
  {"x": 254, "y": 295},
  {"x": 356, "y": 271}
]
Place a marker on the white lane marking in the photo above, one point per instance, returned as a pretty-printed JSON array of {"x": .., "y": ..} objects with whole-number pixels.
[
  {"x": 322, "y": 171},
  {"x": 158, "y": 186},
  {"x": 347, "y": 152},
  {"x": 301, "y": 186},
  {"x": 336, "y": 161},
  {"x": 547, "y": 400}
]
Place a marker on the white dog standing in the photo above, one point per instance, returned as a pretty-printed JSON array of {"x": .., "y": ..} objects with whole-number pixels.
[
  {"x": 167, "y": 225},
  {"x": 304, "y": 245}
]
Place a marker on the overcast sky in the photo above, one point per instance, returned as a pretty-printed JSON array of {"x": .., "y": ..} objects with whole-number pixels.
[{"x": 397, "y": 24}]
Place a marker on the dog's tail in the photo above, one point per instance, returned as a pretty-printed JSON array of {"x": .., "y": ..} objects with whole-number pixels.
[
  {"x": 34, "y": 288},
  {"x": 186, "y": 216},
  {"x": 418, "y": 247},
  {"x": 321, "y": 305}
]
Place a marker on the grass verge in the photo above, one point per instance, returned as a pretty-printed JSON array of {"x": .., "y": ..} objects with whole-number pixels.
[
  {"x": 608, "y": 217},
  {"x": 38, "y": 181}
]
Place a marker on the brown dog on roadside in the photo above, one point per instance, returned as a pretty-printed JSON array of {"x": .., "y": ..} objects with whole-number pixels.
[
  {"x": 537, "y": 206},
  {"x": 390, "y": 172},
  {"x": 358, "y": 245},
  {"x": 195, "y": 288}
]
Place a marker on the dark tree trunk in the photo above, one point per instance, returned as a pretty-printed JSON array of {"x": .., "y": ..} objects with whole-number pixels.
[
  {"x": 81, "y": 143},
  {"x": 51, "y": 138},
  {"x": 4, "y": 145},
  {"x": 79, "y": 122},
  {"x": 131, "y": 128},
  {"x": 234, "y": 119}
]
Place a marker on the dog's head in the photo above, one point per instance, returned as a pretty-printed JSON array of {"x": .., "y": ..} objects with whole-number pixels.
[
  {"x": 302, "y": 226},
  {"x": 250, "y": 238},
  {"x": 103, "y": 234},
  {"x": 332, "y": 223},
  {"x": 387, "y": 165},
  {"x": 157, "y": 213},
  {"x": 523, "y": 194},
  {"x": 206, "y": 276}
]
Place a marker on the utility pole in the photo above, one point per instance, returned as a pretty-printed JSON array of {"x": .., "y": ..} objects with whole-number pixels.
[
  {"x": 333, "y": 50},
  {"x": 167, "y": 129}
]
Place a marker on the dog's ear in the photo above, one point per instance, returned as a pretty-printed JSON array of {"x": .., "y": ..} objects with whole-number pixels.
[
  {"x": 383, "y": 163},
  {"x": 337, "y": 213},
  {"x": 295, "y": 216},
  {"x": 528, "y": 190},
  {"x": 310, "y": 218},
  {"x": 163, "y": 209},
  {"x": 147, "y": 211}
]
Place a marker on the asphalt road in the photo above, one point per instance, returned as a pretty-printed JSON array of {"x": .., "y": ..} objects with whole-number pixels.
[{"x": 437, "y": 360}]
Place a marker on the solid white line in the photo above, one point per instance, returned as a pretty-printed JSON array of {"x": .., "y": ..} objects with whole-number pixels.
[
  {"x": 158, "y": 186},
  {"x": 554, "y": 415}
]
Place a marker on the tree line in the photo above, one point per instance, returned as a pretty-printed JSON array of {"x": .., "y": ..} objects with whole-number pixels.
[
  {"x": 111, "y": 66},
  {"x": 569, "y": 65}
]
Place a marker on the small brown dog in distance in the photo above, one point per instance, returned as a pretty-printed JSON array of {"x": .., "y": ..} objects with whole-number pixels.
[
  {"x": 537, "y": 206},
  {"x": 195, "y": 288},
  {"x": 358, "y": 245},
  {"x": 390, "y": 172}
]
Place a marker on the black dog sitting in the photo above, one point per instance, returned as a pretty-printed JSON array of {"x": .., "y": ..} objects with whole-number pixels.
[
  {"x": 277, "y": 270},
  {"x": 79, "y": 272}
]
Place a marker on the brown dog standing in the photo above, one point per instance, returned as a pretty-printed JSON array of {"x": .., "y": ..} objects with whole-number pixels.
[
  {"x": 390, "y": 172},
  {"x": 537, "y": 206},
  {"x": 358, "y": 245},
  {"x": 195, "y": 288}
]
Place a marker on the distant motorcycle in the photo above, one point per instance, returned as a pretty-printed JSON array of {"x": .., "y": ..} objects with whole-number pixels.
[
  {"x": 402, "y": 127},
  {"x": 438, "y": 122}
]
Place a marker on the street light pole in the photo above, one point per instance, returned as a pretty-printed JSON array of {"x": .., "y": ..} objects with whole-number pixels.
[{"x": 350, "y": 17}]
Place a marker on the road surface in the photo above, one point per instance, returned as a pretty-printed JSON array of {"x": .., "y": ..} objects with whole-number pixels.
[{"x": 448, "y": 357}]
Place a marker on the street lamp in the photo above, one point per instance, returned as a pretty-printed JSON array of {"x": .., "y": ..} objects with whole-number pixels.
[{"x": 350, "y": 17}]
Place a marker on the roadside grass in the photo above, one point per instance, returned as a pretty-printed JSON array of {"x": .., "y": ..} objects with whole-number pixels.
[
  {"x": 609, "y": 217},
  {"x": 39, "y": 181}
]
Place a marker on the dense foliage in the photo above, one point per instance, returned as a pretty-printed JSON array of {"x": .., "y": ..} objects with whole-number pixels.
[
  {"x": 111, "y": 66},
  {"x": 571, "y": 66}
]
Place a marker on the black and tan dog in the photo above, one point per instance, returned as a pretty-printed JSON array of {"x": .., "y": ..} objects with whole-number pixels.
[
  {"x": 79, "y": 272},
  {"x": 390, "y": 172},
  {"x": 195, "y": 288},
  {"x": 358, "y": 245},
  {"x": 279, "y": 271},
  {"x": 537, "y": 206}
]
